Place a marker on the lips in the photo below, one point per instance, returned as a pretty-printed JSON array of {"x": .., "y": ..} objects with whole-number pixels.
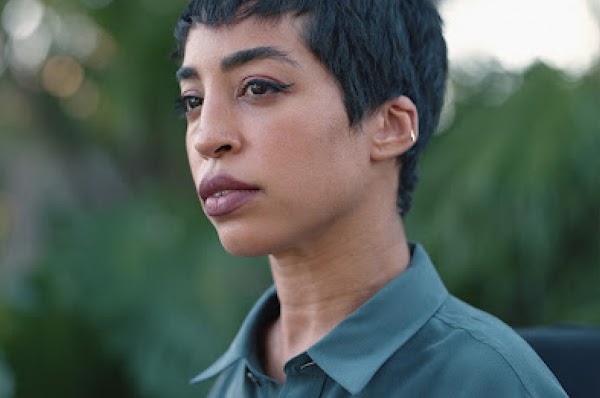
[{"x": 223, "y": 194}]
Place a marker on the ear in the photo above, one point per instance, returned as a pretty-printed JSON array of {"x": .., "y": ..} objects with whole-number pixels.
[{"x": 395, "y": 129}]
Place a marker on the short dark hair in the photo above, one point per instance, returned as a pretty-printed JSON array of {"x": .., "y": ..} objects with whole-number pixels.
[{"x": 377, "y": 50}]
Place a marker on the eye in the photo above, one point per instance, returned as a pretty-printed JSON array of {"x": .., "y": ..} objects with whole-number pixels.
[
  {"x": 187, "y": 103},
  {"x": 260, "y": 88},
  {"x": 191, "y": 102}
]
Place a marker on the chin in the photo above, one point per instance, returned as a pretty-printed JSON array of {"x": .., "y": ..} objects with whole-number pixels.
[
  {"x": 255, "y": 237},
  {"x": 244, "y": 244},
  {"x": 243, "y": 250}
]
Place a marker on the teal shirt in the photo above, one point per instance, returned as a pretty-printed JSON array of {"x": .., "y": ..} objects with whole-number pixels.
[{"x": 412, "y": 339}]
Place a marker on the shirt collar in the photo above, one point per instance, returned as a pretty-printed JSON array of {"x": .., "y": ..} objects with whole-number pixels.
[
  {"x": 355, "y": 349},
  {"x": 246, "y": 344}
]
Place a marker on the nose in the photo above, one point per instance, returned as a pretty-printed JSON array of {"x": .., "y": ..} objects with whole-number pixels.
[{"x": 215, "y": 133}]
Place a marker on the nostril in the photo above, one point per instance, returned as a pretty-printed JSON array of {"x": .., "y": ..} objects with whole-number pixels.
[{"x": 223, "y": 148}]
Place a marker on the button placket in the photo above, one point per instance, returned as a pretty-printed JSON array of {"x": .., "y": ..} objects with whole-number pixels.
[{"x": 304, "y": 379}]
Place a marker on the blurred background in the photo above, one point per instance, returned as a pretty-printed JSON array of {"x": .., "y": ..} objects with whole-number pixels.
[{"x": 112, "y": 283}]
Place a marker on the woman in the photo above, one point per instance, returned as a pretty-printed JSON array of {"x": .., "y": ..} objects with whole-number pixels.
[{"x": 305, "y": 123}]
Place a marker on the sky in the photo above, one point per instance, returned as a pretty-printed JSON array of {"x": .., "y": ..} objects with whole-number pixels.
[{"x": 516, "y": 33}]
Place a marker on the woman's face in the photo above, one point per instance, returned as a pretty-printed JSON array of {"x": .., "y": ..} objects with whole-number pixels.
[{"x": 276, "y": 164}]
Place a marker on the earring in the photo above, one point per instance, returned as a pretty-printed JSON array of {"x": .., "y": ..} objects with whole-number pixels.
[{"x": 413, "y": 136}]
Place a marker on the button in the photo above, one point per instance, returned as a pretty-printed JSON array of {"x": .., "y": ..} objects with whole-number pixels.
[
  {"x": 306, "y": 365},
  {"x": 253, "y": 378}
]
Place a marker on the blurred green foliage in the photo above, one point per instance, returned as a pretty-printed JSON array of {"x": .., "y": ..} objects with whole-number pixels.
[
  {"x": 112, "y": 283},
  {"x": 510, "y": 199}
]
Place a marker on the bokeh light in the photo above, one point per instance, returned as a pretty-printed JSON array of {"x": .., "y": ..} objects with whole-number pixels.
[
  {"x": 74, "y": 34},
  {"x": 36, "y": 33},
  {"x": 27, "y": 55},
  {"x": 62, "y": 76},
  {"x": 20, "y": 18}
]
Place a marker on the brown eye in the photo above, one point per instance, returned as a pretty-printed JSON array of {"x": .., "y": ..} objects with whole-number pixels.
[
  {"x": 260, "y": 88},
  {"x": 257, "y": 88}
]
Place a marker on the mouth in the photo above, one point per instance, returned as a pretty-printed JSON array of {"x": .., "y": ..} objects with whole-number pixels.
[{"x": 223, "y": 194}]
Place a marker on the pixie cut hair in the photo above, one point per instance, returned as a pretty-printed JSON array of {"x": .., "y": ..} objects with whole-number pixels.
[{"x": 376, "y": 50}]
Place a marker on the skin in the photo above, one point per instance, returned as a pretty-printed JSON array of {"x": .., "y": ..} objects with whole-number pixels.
[{"x": 325, "y": 213}]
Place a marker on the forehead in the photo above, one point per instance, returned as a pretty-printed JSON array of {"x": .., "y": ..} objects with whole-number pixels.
[{"x": 207, "y": 43}]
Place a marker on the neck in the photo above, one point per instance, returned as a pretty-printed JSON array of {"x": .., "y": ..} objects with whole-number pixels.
[{"x": 319, "y": 287}]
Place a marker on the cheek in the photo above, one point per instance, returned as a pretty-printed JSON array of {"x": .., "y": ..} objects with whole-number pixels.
[
  {"x": 191, "y": 155},
  {"x": 194, "y": 160},
  {"x": 312, "y": 129},
  {"x": 317, "y": 156},
  {"x": 301, "y": 147}
]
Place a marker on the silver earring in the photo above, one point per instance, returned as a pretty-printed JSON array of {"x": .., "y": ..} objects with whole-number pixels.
[{"x": 413, "y": 136}]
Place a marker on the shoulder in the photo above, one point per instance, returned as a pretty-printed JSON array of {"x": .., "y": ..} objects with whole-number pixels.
[
  {"x": 486, "y": 349},
  {"x": 467, "y": 352}
]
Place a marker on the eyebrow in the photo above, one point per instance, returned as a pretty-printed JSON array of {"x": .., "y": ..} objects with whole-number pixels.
[
  {"x": 238, "y": 59},
  {"x": 186, "y": 73},
  {"x": 242, "y": 57}
]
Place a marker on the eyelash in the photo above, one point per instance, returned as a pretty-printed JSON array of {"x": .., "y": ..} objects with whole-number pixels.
[
  {"x": 183, "y": 107},
  {"x": 267, "y": 85}
]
